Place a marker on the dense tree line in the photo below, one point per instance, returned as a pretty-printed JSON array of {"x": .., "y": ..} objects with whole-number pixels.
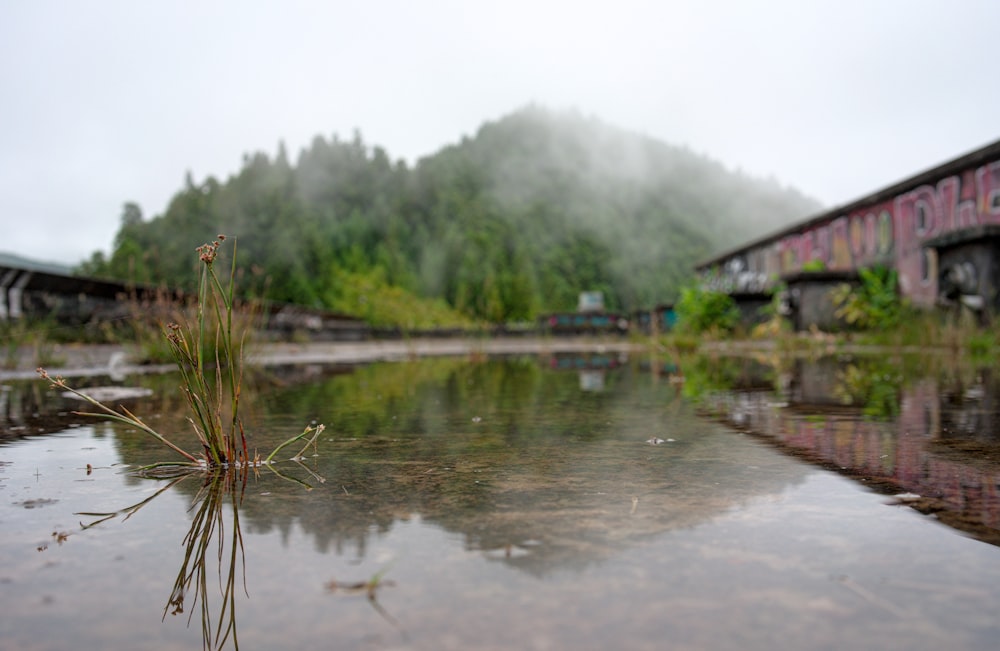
[{"x": 517, "y": 220}]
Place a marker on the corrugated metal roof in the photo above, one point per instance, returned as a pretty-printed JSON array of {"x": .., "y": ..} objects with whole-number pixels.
[{"x": 20, "y": 262}]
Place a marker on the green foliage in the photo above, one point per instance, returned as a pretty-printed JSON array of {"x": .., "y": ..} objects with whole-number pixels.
[
  {"x": 982, "y": 345},
  {"x": 369, "y": 296},
  {"x": 702, "y": 310},
  {"x": 875, "y": 304},
  {"x": 706, "y": 375},
  {"x": 814, "y": 265},
  {"x": 872, "y": 383},
  {"x": 515, "y": 221},
  {"x": 775, "y": 324}
]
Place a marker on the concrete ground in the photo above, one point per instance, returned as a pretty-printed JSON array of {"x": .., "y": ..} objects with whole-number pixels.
[{"x": 76, "y": 360}]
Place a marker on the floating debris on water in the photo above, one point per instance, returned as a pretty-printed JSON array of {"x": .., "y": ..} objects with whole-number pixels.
[{"x": 36, "y": 503}]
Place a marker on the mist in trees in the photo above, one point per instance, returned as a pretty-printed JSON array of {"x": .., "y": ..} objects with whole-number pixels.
[{"x": 515, "y": 221}]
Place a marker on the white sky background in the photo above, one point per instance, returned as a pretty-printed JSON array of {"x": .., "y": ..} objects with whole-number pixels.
[{"x": 103, "y": 102}]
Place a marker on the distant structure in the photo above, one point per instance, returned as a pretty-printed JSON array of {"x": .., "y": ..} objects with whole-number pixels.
[
  {"x": 33, "y": 289},
  {"x": 37, "y": 291},
  {"x": 940, "y": 231},
  {"x": 590, "y": 302},
  {"x": 590, "y": 318}
]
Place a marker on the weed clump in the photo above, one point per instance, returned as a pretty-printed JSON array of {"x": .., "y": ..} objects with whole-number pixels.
[
  {"x": 701, "y": 310},
  {"x": 209, "y": 355}
]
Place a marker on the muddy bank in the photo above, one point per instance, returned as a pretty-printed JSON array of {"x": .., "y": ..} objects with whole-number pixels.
[{"x": 77, "y": 360}]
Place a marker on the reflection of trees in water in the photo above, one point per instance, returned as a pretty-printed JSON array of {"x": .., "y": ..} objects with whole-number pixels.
[
  {"x": 705, "y": 374},
  {"x": 552, "y": 504},
  {"x": 510, "y": 456},
  {"x": 516, "y": 458}
]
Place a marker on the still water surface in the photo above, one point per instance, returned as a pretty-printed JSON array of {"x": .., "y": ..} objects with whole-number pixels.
[{"x": 516, "y": 503}]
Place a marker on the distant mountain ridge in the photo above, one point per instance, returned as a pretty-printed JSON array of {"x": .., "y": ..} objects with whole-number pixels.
[{"x": 509, "y": 223}]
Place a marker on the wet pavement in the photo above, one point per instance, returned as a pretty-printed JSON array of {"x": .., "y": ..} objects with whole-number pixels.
[
  {"x": 82, "y": 360},
  {"x": 475, "y": 503}
]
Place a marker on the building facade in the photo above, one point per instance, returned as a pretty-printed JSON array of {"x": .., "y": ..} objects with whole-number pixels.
[{"x": 937, "y": 229}]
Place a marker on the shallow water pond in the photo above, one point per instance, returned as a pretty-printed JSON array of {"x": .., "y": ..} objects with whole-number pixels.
[{"x": 515, "y": 503}]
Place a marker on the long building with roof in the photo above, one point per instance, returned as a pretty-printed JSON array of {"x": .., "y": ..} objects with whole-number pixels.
[{"x": 940, "y": 231}]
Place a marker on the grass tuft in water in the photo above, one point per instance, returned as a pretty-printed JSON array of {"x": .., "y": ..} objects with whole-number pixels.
[{"x": 209, "y": 355}]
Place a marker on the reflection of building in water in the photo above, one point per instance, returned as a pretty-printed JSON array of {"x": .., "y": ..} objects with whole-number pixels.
[
  {"x": 972, "y": 410},
  {"x": 932, "y": 445},
  {"x": 587, "y": 361},
  {"x": 31, "y": 408},
  {"x": 590, "y": 366},
  {"x": 592, "y": 380}
]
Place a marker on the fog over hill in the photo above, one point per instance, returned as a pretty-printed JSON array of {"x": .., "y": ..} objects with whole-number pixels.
[{"x": 510, "y": 222}]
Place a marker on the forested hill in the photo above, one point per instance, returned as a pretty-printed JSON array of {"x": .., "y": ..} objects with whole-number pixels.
[{"x": 514, "y": 221}]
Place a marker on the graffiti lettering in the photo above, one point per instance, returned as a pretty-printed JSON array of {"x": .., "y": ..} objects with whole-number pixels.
[
  {"x": 988, "y": 189},
  {"x": 890, "y": 232},
  {"x": 958, "y": 213},
  {"x": 918, "y": 214}
]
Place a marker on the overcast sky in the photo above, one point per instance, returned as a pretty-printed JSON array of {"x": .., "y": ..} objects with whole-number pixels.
[{"x": 105, "y": 102}]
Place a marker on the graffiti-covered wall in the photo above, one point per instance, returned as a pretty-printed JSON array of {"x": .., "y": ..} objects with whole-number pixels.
[{"x": 889, "y": 228}]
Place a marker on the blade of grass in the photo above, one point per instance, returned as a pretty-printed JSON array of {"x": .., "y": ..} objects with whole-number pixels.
[{"x": 315, "y": 431}]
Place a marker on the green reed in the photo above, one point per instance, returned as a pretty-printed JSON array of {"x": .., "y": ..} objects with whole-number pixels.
[{"x": 209, "y": 355}]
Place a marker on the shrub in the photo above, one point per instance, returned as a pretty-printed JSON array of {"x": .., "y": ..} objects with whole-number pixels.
[
  {"x": 701, "y": 310},
  {"x": 874, "y": 304}
]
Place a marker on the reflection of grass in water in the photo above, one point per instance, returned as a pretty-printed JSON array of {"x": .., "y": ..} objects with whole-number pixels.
[
  {"x": 128, "y": 511},
  {"x": 220, "y": 490},
  {"x": 219, "y": 497}
]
